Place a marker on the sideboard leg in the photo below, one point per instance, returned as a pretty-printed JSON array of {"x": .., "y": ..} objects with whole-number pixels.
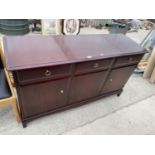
[
  {"x": 118, "y": 94},
  {"x": 24, "y": 124}
]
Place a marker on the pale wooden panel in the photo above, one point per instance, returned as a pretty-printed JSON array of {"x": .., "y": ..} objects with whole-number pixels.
[{"x": 151, "y": 64}]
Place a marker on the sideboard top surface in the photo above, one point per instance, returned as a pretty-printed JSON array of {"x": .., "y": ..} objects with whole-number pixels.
[{"x": 23, "y": 52}]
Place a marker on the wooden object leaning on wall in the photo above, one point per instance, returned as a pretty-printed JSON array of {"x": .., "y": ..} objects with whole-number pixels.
[
  {"x": 11, "y": 99},
  {"x": 4, "y": 64},
  {"x": 150, "y": 68}
]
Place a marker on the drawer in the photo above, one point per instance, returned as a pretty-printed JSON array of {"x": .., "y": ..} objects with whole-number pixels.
[
  {"x": 92, "y": 65},
  {"x": 127, "y": 60},
  {"x": 46, "y": 73}
]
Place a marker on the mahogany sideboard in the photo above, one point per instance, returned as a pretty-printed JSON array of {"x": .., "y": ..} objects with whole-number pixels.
[{"x": 54, "y": 73}]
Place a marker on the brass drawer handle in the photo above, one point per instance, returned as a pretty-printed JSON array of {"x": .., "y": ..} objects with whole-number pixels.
[
  {"x": 61, "y": 91},
  {"x": 48, "y": 73},
  {"x": 96, "y": 65}
]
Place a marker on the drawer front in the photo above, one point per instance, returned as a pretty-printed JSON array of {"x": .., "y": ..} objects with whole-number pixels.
[
  {"x": 92, "y": 65},
  {"x": 127, "y": 60},
  {"x": 43, "y": 73}
]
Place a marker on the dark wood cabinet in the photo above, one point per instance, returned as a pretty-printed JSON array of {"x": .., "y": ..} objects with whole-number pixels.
[{"x": 55, "y": 73}]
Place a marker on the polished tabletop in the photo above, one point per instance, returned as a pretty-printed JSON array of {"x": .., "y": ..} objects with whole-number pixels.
[{"x": 23, "y": 52}]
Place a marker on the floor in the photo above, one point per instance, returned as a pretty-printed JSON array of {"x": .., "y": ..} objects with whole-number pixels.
[{"x": 131, "y": 113}]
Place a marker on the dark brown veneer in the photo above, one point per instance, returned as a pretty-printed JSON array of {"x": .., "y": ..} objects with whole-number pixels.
[{"x": 54, "y": 73}]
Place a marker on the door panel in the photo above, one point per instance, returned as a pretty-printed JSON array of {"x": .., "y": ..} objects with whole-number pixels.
[
  {"x": 38, "y": 98},
  {"x": 117, "y": 79},
  {"x": 86, "y": 86}
]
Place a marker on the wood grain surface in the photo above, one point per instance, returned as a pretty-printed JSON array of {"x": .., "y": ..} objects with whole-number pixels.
[{"x": 23, "y": 52}]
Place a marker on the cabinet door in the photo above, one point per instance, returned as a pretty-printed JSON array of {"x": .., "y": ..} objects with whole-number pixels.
[
  {"x": 86, "y": 86},
  {"x": 117, "y": 79},
  {"x": 42, "y": 97}
]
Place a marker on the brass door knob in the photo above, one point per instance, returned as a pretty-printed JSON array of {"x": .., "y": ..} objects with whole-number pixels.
[
  {"x": 48, "y": 73},
  {"x": 96, "y": 65},
  {"x": 111, "y": 80},
  {"x": 61, "y": 91}
]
